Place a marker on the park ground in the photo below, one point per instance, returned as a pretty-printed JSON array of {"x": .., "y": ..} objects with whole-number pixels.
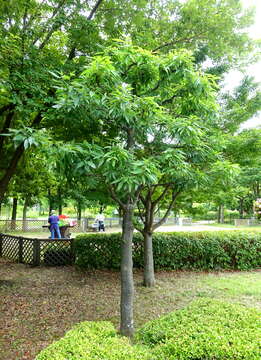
[
  {"x": 164, "y": 228},
  {"x": 38, "y": 305}
]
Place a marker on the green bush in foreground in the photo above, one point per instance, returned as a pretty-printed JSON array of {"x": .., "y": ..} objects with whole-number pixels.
[
  {"x": 206, "y": 330},
  {"x": 93, "y": 341},
  {"x": 180, "y": 250}
]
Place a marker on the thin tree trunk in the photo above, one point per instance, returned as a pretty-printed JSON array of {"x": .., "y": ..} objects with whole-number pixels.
[
  {"x": 24, "y": 214},
  {"x": 14, "y": 213},
  {"x": 127, "y": 285},
  {"x": 219, "y": 214},
  {"x": 50, "y": 198},
  {"x": 222, "y": 214},
  {"x": 60, "y": 201},
  {"x": 148, "y": 274},
  {"x": 241, "y": 208},
  {"x": 79, "y": 211}
]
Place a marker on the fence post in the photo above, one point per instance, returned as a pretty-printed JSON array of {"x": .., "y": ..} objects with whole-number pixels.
[
  {"x": 36, "y": 252},
  {"x": 20, "y": 249},
  {"x": 1, "y": 245}
]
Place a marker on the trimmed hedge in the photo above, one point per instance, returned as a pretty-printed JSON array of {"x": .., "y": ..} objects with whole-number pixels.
[
  {"x": 206, "y": 330},
  {"x": 93, "y": 341},
  {"x": 180, "y": 250}
]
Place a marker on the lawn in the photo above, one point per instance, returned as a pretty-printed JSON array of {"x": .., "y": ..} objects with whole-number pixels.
[
  {"x": 40, "y": 304},
  {"x": 241, "y": 228}
]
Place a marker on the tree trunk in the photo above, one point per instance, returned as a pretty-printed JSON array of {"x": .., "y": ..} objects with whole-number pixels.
[
  {"x": 14, "y": 213},
  {"x": 24, "y": 214},
  {"x": 241, "y": 208},
  {"x": 60, "y": 201},
  {"x": 127, "y": 285},
  {"x": 222, "y": 214},
  {"x": 79, "y": 211},
  {"x": 10, "y": 171},
  {"x": 148, "y": 274},
  {"x": 219, "y": 214},
  {"x": 50, "y": 198}
]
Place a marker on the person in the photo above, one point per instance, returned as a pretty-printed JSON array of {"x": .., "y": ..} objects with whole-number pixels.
[
  {"x": 100, "y": 219},
  {"x": 54, "y": 227}
]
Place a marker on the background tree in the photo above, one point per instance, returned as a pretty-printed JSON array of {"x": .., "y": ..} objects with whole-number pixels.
[{"x": 41, "y": 38}]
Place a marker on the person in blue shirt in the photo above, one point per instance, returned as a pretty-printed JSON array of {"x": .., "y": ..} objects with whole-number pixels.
[{"x": 54, "y": 227}]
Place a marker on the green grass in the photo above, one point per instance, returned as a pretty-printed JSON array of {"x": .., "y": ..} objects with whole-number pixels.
[
  {"x": 241, "y": 228},
  {"x": 242, "y": 284}
]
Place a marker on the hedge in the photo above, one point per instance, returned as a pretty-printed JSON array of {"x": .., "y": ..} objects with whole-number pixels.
[
  {"x": 206, "y": 330},
  {"x": 175, "y": 251},
  {"x": 93, "y": 341}
]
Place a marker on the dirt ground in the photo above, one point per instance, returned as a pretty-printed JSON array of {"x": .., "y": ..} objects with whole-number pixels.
[{"x": 39, "y": 304}]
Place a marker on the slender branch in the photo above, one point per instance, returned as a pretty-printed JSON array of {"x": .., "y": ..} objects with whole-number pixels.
[
  {"x": 95, "y": 8},
  {"x": 140, "y": 214},
  {"x": 114, "y": 196},
  {"x": 53, "y": 28},
  {"x": 161, "y": 196},
  {"x": 159, "y": 223},
  {"x": 72, "y": 52},
  {"x": 183, "y": 40},
  {"x": 166, "y": 101}
]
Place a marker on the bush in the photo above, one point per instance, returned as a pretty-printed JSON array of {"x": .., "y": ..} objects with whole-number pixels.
[
  {"x": 93, "y": 341},
  {"x": 187, "y": 251},
  {"x": 103, "y": 251},
  {"x": 206, "y": 330}
]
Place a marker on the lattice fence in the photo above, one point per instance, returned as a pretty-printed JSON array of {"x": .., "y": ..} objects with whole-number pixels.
[{"x": 37, "y": 251}]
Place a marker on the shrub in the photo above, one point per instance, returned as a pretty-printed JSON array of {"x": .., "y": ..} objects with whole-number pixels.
[
  {"x": 101, "y": 250},
  {"x": 93, "y": 341},
  {"x": 190, "y": 251},
  {"x": 206, "y": 330}
]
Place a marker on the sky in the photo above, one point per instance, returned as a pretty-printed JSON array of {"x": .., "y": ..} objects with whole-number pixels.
[{"x": 254, "y": 70}]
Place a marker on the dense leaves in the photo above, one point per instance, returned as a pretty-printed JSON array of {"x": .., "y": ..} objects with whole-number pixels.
[
  {"x": 199, "y": 251},
  {"x": 207, "y": 328}
]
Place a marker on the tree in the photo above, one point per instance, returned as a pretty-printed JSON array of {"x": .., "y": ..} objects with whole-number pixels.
[
  {"x": 244, "y": 149},
  {"x": 142, "y": 104},
  {"x": 39, "y": 39}
]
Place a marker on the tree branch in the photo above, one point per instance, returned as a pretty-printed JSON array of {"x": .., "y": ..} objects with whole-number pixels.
[
  {"x": 162, "y": 221},
  {"x": 187, "y": 39},
  {"x": 166, "y": 101},
  {"x": 161, "y": 196},
  {"x": 114, "y": 197},
  {"x": 6, "y": 126},
  {"x": 72, "y": 52},
  {"x": 53, "y": 28}
]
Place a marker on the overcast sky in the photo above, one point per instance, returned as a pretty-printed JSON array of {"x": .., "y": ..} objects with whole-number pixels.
[{"x": 254, "y": 70}]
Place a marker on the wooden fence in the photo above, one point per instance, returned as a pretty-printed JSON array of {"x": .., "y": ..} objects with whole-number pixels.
[{"x": 36, "y": 251}]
